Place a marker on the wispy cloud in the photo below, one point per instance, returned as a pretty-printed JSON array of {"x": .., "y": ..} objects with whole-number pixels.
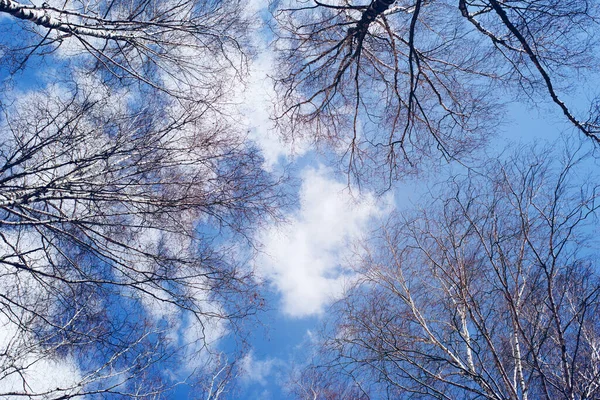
[{"x": 257, "y": 371}]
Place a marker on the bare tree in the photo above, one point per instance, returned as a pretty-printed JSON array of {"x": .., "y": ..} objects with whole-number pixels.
[
  {"x": 113, "y": 219},
  {"x": 124, "y": 182},
  {"x": 316, "y": 383},
  {"x": 490, "y": 292},
  {"x": 186, "y": 48},
  {"x": 388, "y": 81}
]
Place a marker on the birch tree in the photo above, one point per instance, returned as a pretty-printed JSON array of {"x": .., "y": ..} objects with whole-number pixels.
[
  {"x": 315, "y": 383},
  {"x": 111, "y": 219},
  {"x": 391, "y": 83},
  {"x": 128, "y": 198},
  {"x": 187, "y": 48},
  {"x": 489, "y": 292}
]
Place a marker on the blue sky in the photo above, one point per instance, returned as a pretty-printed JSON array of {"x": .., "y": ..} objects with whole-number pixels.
[
  {"x": 292, "y": 322},
  {"x": 306, "y": 262},
  {"x": 290, "y": 325}
]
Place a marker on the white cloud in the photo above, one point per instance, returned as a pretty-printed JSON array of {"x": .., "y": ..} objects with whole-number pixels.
[
  {"x": 26, "y": 367},
  {"x": 37, "y": 371},
  {"x": 257, "y": 105},
  {"x": 201, "y": 338},
  {"x": 257, "y": 371},
  {"x": 258, "y": 96},
  {"x": 255, "y": 6},
  {"x": 304, "y": 259}
]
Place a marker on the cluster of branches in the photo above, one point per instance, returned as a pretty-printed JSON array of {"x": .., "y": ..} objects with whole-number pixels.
[
  {"x": 390, "y": 83},
  {"x": 101, "y": 202},
  {"x": 185, "y": 48},
  {"x": 121, "y": 181},
  {"x": 492, "y": 292}
]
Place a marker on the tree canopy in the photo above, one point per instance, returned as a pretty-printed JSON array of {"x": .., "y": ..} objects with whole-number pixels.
[
  {"x": 392, "y": 83},
  {"x": 132, "y": 195},
  {"x": 489, "y": 292}
]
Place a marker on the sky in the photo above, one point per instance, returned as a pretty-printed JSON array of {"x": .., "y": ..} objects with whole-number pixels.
[
  {"x": 305, "y": 263},
  {"x": 303, "y": 260}
]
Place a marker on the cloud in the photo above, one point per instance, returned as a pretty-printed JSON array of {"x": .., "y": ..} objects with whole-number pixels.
[
  {"x": 258, "y": 99},
  {"x": 27, "y": 366},
  {"x": 30, "y": 370},
  {"x": 304, "y": 259},
  {"x": 257, "y": 371},
  {"x": 255, "y": 6},
  {"x": 258, "y": 95}
]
